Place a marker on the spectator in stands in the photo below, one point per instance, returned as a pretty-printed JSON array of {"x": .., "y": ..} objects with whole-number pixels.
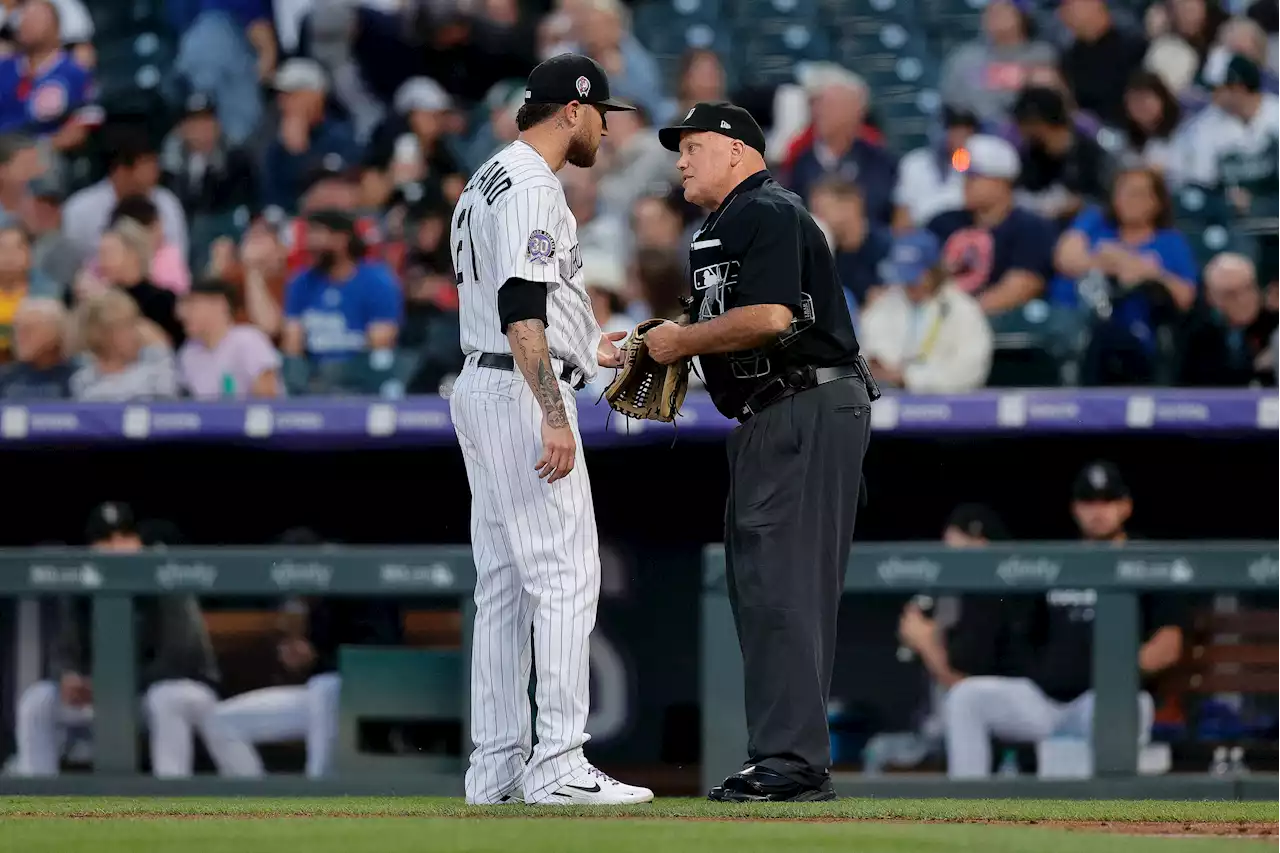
[
  {"x": 632, "y": 164},
  {"x": 1128, "y": 263},
  {"x": 1232, "y": 146},
  {"x": 222, "y": 358},
  {"x": 1055, "y": 632},
  {"x": 17, "y": 282},
  {"x": 1100, "y": 54},
  {"x": 984, "y": 76},
  {"x": 334, "y": 37},
  {"x": 306, "y": 133},
  {"x": 201, "y": 166},
  {"x": 993, "y": 249},
  {"x": 1237, "y": 37},
  {"x": 700, "y": 78},
  {"x": 431, "y": 328},
  {"x": 341, "y": 308},
  {"x": 228, "y": 48},
  {"x": 929, "y": 178},
  {"x": 1152, "y": 114},
  {"x": 839, "y": 149},
  {"x": 257, "y": 273},
  {"x": 603, "y": 32},
  {"x": 51, "y": 252},
  {"x": 129, "y": 357},
  {"x": 656, "y": 222},
  {"x": 55, "y": 101},
  {"x": 132, "y": 169},
  {"x": 1196, "y": 23},
  {"x": 924, "y": 333},
  {"x": 124, "y": 261},
  {"x": 41, "y": 370},
  {"x": 859, "y": 246},
  {"x": 75, "y": 28},
  {"x": 595, "y": 231},
  {"x": 412, "y": 145},
  {"x": 501, "y": 103},
  {"x": 1234, "y": 345},
  {"x": 176, "y": 669},
  {"x": 19, "y": 166},
  {"x": 168, "y": 266},
  {"x": 660, "y": 281},
  {"x": 1062, "y": 169}
]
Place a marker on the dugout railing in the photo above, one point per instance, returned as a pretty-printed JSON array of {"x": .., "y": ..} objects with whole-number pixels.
[{"x": 1119, "y": 576}]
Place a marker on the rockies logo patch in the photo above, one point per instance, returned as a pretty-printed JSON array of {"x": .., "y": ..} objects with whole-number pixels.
[{"x": 540, "y": 249}]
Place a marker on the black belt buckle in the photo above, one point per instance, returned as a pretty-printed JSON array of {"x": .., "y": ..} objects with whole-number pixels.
[{"x": 864, "y": 371}]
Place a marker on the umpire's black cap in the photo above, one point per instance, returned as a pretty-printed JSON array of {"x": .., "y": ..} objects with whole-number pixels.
[
  {"x": 720, "y": 117},
  {"x": 571, "y": 77},
  {"x": 1100, "y": 481}
]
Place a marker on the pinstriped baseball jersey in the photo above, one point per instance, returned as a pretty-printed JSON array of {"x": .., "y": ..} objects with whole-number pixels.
[{"x": 512, "y": 221}]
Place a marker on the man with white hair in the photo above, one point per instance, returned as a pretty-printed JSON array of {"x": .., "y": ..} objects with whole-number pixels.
[
  {"x": 1237, "y": 347},
  {"x": 41, "y": 371},
  {"x": 839, "y": 108}
]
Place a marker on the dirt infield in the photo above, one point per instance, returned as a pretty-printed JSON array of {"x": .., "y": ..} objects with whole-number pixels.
[{"x": 1166, "y": 829}]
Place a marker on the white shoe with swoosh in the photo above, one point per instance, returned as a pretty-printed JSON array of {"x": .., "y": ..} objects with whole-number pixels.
[{"x": 595, "y": 787}]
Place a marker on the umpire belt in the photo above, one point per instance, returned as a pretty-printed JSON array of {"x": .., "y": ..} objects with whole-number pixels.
[
  {"x": 802, "y": 379},
  {"x": 502, "y": 361}
]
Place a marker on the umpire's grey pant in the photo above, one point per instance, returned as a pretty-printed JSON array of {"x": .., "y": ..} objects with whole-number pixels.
[{"x": 795, "y": 473}]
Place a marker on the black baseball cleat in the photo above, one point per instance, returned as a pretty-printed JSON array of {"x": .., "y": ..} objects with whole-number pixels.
[{"x": 762, "y": 785}]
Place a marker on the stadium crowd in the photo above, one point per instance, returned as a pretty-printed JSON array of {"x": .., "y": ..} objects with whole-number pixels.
[{"x": 215, "y": 198}]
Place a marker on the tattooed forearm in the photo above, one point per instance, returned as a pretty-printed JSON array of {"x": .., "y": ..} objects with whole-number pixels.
[{"x": 529, "y": 346}]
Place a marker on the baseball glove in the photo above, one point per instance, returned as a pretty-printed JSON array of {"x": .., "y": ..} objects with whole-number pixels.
[{"x": 644, "y": 389}]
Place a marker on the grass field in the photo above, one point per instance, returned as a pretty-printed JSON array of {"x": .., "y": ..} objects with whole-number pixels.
[{"x": 425, "y": 825}]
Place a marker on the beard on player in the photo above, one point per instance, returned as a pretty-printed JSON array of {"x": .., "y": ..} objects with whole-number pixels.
[{"x": 583, "y": 148}]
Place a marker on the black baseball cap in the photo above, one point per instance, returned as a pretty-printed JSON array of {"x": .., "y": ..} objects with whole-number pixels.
[
  {"x": 571, "y": 77},
  {"x": 108, "y": 519},
  {"x": 1100, "y": 481},
  {"x": 199, "y": 103},
  {"x": 720, "y": 117},
  {"x": 978, "y": 521}
]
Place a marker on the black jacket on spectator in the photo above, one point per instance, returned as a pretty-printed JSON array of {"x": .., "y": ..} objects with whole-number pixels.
[
  {"x": 226, "y": 181},
  {"x": 1096, "y": 72},
  {"x": 172, "y": 640},
  {"x": 1219, "y": 356},
  {"x": 1084, "y": 171}
]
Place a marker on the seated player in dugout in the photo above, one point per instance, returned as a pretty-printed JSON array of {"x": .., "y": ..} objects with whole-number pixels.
[
  {"x": 1052, "y": 694},
  {"x": 978, "y": 641}
]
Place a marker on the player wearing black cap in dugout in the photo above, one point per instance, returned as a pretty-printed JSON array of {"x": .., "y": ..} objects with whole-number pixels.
[
  {"x": 1055, "y": 696},
  {"x": 777, "y": 350}
]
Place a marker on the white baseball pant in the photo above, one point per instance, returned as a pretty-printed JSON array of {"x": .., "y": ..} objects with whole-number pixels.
[
  {"x": 175, "y": 711},
  {"x": 1016, "y": 710},
  {"x": 281, "y": 714},
  {"x": 537, "y": 563}
]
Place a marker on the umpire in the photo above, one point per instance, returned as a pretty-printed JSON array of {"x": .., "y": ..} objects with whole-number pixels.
[{"x": 778, "y": 353}]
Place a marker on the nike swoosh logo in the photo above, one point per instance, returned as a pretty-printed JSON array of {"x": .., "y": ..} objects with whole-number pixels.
[{"x": 594, "y": 789}]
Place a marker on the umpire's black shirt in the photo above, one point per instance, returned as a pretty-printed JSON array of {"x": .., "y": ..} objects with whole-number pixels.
[{"x": 761, "y": 247}]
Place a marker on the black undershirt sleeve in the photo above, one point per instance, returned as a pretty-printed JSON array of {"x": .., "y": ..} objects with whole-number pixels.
[{"x": 521, "y": 299}]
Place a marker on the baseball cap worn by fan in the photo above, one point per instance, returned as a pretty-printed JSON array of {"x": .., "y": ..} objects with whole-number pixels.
[
  {"x": 912, "y": 255},
  {"x": 978, "y": 521},
  {"x": 992, "y": 157},
  {"x": 301, "y": 75},
  {"x": 719, "y": 117},
  {"x": 1099, "y": 481},
  {"x": 570, "y": 77}
]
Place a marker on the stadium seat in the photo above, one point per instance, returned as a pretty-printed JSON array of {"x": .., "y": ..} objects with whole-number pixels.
[
  {"x": 766, "y": 55},
  {"x": 397, "y": 685},
  {"x": 1036, "y": 346}
]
